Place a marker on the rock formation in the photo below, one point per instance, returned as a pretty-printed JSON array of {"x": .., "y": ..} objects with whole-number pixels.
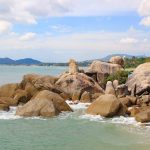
[
  {"x": 45, "y": 103},
  {"x": 75, "y": 84},
  {"x": 139, "y": 82},
  {"x": 110, "y": 88},
  {"x": 117, "y": 60},
  {"x": 103, "y": 67},
  {"x": 106, "y": 105},
  {"x": 73, "y": 67}
]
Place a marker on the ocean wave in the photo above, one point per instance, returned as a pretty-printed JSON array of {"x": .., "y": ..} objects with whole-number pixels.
[
  {"x": 78, "y": 106},
  {"x": 78, "y": 113},
  {"x": 10, "y": 115}
]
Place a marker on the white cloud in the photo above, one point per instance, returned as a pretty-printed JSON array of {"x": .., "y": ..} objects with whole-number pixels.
[
  {"x": 144, "y": 10},
  {"x": 128, "y": 40},
  {"x": 29, "y": 11},
  {"x": 28, "y": 36},
  {"x": 5, "y": 26},
  {"x": 90, "y": 42},
  {"x": 145, "y": 21}
]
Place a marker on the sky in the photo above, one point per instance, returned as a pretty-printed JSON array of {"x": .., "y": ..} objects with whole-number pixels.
[{"x": 57, "y": 30}]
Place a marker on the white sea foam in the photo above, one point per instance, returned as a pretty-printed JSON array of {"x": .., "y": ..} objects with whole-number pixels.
[
  {"x": 78, "y": 106},
  {"x": 78, "y": 113},
  {"x": 10, "y": 115}
]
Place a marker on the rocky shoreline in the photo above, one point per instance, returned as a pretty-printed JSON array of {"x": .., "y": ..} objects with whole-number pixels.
[{"x": 46, "y": 96}]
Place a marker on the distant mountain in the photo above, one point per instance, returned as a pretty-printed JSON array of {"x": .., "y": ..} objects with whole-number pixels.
[
  {"x": 6, "y": 61},
  {"x": 26, "y": 61}
]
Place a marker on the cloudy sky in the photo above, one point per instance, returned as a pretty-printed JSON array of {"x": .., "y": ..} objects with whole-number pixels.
[{"x": 56, "y": 30}]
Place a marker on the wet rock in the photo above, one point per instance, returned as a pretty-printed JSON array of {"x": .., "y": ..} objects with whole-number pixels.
[
  {"x": 76, "y": 95},
  {"x": 6, "y": 102},
  {"x": 20, "y": 96},
  {"x": 46, "y": 104},
  {"x": 8, "y": 90},
  {"x": 106, "y": 105},
  {"x": 85, "y": 97},
  {"x": 144, "y": 115},
  {"x": 133, "y": 111}
]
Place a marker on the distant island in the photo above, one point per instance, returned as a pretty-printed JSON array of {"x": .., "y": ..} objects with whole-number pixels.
[
  {"x": 30, "y": 61},
  {"x": 25, "y": 61}
]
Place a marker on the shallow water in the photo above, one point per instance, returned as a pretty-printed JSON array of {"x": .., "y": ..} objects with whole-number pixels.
[{"x": 68, "y": 131}]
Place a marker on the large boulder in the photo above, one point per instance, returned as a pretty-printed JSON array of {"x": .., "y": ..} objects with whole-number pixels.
[
  {"x": 103, "y": 67},
  {"x": 139, "y": 82},
  {"x": 117, "y": 60},
  {"x": 106, "y": 105},
  {"x": 33, "y": 83},
  {"x": 20, "y": 96},
  {"x": 143, "y": 115},
  {"x": 38, "y": 81},
  {"x": 75, "y": 84},
  {"x": 126, "y": 101},
  {"x": 46, "y": 104},
  {"x": 8, "y": 90},
  {"x": 5, "y": 102}
]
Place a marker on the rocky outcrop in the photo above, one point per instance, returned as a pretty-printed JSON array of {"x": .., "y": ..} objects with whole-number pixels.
[
  {"x": 126, "y": 101},
  {"x": 133, "y": 111},
  {"x": 103, "y": 67},
  {"x": 33, "y": 83},
  {"x": 106, "y": 105},
  {"x": 76, "y": 84},
  {"x": 6, "y": 96},
  {"x": 8, "y": 90},
  {"x": 122, "y": 90},
  {"x": 20, "y": 96},
  {"x": 73, "y": 67},
  {"x": 5, "y": 102},
  {"x": 117, "y": 60},
  {"x": 46, "y": 104},
  {"x": 139, "y": 82},
  {"x": 110, "y": 88},
  {"x": 76, "y": 95},
  {"x": 143, "y": 115},
  {"x": 85, "y": 97},
  {"x": 115, "y": 84}
]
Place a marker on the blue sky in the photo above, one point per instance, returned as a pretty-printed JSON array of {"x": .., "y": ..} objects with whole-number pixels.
[{"x": 57, "y": 30}]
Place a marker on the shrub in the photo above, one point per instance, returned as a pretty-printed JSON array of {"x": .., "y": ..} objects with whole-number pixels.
[{"x": 121, "y": 76}]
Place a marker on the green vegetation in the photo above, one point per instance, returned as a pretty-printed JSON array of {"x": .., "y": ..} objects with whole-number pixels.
[
  {"x": 134, "y": 61},
  {"x": 121, "y": 76}
]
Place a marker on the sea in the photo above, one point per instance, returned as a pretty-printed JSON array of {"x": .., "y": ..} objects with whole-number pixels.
[{"x": 70, "y": 130}]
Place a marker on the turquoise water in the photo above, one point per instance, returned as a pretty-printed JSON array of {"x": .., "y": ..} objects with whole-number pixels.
[
  {"x": 68, "y": 131},
  {"x": 15, "y": 73}
]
